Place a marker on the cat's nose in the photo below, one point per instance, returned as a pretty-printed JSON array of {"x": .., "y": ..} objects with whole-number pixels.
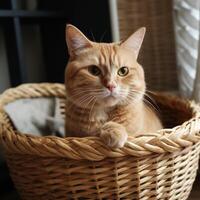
[{"x": 111, "y": 87}]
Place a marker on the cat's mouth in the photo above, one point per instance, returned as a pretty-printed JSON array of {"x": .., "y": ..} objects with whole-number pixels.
[
  {"x": 111, "y": 98},
  {"x": 111, "y": 95}
]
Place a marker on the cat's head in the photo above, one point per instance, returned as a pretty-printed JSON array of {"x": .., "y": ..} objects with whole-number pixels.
[{"x": 105, "y": 74}]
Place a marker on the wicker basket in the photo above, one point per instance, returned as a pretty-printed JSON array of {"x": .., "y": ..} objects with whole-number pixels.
[{"x": 162, "y": 165}]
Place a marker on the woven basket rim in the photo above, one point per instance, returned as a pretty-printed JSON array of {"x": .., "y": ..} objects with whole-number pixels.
[{"x": 91, "y": 148}]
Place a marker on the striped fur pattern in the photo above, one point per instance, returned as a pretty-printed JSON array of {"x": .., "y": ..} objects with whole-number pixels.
[{"x": 105, "y": 87}]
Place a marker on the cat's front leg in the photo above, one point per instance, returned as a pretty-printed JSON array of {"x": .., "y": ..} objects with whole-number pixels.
[{"x": 113, "y": 134}]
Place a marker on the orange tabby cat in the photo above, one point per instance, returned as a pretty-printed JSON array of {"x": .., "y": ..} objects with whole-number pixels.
[{"x": 105, "y": 87}]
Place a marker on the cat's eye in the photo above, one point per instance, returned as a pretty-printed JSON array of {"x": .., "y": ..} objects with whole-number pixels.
[
  {"x": 123, "y": 71},
  {"x": 94, "y": 70}
]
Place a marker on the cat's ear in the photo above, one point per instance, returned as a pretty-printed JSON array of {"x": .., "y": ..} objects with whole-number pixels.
[
  {"x": 134, "y": 42},
  {"x": 76, "y": 40}
]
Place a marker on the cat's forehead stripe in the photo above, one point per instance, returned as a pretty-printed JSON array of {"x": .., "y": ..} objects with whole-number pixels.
[{"x": 108, "y": 57}]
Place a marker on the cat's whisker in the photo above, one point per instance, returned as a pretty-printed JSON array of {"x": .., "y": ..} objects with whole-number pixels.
[
  {"x": 80, "y": 101},
  {"x": 150, "y": 106},
  {"x": 89, "y": 102},
  {"x": 150, "y": 91},
  {"x": 95, "y": 90},
  {"x": 86, "y": 89},
  {"x": 154, "y": 105},
  {"x": 145, "y": 94},
  {"x": 82, "y": 93},
  {"x": 76, "y": 93},
  {"x": 86, "y": 92},
  {"x": 92, "y": 36},
  {"x": 148, "y": 103},
  {"x": 102, "y": 36},
  {"x": 86, "y": 100},
  {"x": 128, "y": 100},
  {"x": 147, "y": 107}
]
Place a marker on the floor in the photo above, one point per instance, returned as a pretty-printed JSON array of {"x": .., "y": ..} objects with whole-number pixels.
[{"x": 195, "y": 194}]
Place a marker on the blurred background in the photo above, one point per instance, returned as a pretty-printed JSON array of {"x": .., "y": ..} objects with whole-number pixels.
[{"x": 33, "y": 48}]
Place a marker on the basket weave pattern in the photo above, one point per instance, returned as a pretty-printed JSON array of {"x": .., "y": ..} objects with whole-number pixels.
[{"x": 161, "y": 165}]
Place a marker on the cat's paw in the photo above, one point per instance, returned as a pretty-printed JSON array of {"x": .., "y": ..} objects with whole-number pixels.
[{"x": 113, "y": 134}]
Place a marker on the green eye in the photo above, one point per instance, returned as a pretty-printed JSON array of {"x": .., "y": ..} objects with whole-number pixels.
[
  {"x": 94, "y": 70},
  {"x": 123, "y": 71}
]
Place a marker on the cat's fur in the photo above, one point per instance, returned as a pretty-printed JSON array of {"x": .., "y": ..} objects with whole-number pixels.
[{"x": 108, "y": 105}]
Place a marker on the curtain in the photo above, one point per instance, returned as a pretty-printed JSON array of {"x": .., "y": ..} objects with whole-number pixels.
[
  {"x": 196, "y": 88},
  {"x": 186, "y": 22}
]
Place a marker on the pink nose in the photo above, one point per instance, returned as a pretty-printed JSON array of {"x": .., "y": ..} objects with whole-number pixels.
[{"x": 111, "y": 87}]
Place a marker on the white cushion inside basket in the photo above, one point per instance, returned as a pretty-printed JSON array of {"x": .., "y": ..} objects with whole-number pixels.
[{"x": 37, "y": 116}]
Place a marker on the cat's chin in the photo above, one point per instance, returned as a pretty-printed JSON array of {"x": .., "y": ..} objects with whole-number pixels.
[{"x": 109, "y": 101}]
